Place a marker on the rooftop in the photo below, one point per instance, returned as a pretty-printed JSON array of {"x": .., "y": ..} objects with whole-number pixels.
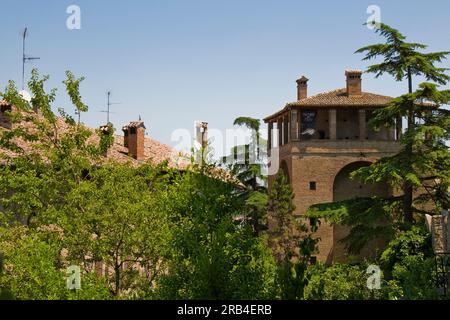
[
  {"x": 154, "y": 151},
  {"x": 337, "y": 99}
]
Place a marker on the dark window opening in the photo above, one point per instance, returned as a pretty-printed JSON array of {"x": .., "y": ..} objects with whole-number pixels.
[
  {"x": 133, "y": 131},
  {"x": 308, "y": 124},
  {"x": 4, "y": 109},
  {"x": 312, "y": 185}
]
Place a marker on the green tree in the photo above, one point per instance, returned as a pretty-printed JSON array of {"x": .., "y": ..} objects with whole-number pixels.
[
  {"x": 290, "y": 239},
  {"x": 426, "y": 167},
  {"x": 110, "y": 219},
  {"x": 36, "y": 270},
  {"x": 246, "y": 163},
  {"x": 213, "y": 255},
  {"x": 339, "y": 282},
  {"x": 409, "y": 266},
  {"x": 424, "y": 161},
  {"x": 421, "y": 165},
  {"x": 55, "y": 175},
  {"x": 403, "y": 60}
]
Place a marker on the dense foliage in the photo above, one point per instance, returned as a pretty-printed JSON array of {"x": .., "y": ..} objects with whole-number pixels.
[
  {"x": 418, "y": 174},
  {"x": 151, "y": 231}
]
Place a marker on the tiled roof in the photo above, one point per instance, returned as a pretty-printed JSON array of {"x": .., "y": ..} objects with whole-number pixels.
[
  {"x": 134, "y": 124},
  {"x": 4, "y": 103},
  {"x": 154, "y": 150},
  {"x": 338, "y": 99}
]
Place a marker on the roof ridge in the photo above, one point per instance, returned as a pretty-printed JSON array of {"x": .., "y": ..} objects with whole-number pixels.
[
  {"x": 337, "y": 98},
  {"x": 335, "y": 91}
]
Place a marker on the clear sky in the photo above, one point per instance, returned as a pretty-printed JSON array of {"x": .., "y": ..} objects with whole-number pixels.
[{"x": 177, "y": 61}]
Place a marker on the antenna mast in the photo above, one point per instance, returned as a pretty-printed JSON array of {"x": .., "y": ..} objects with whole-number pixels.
[
  {"x": 108, "y": 107},
  {"x": 25, "y": 58}
]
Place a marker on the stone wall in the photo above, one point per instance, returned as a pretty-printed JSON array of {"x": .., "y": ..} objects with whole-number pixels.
[{"x": 439, "y": 226}]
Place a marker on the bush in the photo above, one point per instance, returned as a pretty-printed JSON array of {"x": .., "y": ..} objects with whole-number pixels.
[{"x": 338, "y": 282}]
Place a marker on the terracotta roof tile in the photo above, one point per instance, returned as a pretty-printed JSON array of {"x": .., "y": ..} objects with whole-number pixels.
[
  {"x": 154, "y": 150},
  {"x": 338, "y": 99},
  {"x": 134, "y": 124}
]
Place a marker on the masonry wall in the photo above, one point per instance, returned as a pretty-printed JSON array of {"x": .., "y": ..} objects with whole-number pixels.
[{"x": 320, "y": 163}]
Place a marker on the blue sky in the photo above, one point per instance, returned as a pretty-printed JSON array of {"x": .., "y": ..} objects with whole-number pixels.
[{"x": 177, "y": 61}]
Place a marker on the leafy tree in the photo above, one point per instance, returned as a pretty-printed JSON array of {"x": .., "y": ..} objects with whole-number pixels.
[
  {"x": 404, "y": 60},
  {"x": 414, "y": 242},
  {"x": 339, "y": 282},
  {"x": 156, "y": 233},
  {"x": 55, "y": 174},
  {"x": 246, "y": 163},
  {"x": 290, "y": 239},
  {"x": 213, "y": 256},
  {"x": 368, "y": 219},
  {"x": 4, "y": 294},
  {"x": 421, "y": 165},
  {"x": 110, "y": 220},
  {"x": 409, "y": 266},
  {"x": 424, "y": 161},
  {"x": 35, "y": 269}
]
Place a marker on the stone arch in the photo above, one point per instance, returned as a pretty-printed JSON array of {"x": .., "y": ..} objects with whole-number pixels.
[{"x": 345, "y": 188}]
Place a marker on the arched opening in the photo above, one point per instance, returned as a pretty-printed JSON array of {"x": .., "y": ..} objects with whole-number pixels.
[{"x": 345, "y": 188}]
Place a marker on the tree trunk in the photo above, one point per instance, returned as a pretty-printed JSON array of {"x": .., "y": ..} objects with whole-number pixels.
[
  {"x": 117, "y": 280},
  {"x": 408, "y": 189}
]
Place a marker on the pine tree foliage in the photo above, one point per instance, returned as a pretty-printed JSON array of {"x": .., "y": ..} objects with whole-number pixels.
[{"x": 404, "y": 60}]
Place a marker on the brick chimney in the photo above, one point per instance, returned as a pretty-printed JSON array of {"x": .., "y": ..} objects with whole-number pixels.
[
  {"x": 134, "y": 139},
  {"x": 302, "y": 88},
  {"x": 353, "y": 82}
]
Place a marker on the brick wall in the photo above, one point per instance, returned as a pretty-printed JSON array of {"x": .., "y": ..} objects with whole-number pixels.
[
  {"x": 320, "y": 162},
  {"x": 136, "y": 143}
]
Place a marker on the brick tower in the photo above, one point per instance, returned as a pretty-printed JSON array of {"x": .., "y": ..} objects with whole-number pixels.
[{"x": 322, "y": 139}]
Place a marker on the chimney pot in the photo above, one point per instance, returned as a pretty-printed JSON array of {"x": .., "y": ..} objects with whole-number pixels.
[{"x": 302, "y": 88}]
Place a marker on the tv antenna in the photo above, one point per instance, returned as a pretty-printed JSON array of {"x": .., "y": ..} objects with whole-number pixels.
[
  {"x": 108, "y": 107},
  {"x": 25, "y": 58}
]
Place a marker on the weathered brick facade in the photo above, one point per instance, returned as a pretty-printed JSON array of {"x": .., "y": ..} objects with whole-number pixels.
[{"x": 321, "y": 140}]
